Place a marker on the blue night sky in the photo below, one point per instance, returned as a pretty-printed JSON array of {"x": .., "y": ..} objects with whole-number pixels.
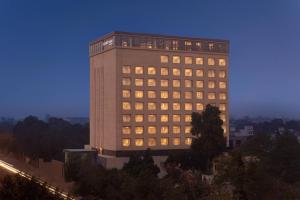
[{"x": 44, "y": 64}]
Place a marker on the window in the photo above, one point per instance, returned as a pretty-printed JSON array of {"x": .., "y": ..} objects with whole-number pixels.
[
  {"x": 188, "y": 60},
  {"x": 126, "y": 142},
  {"x": 199, "y": 73},
  {"x": 126, "y": 81},
  {"x": 223, "y": 117},
  {"x": 199, "y": 61},
  {"x": 176, "y": 83},
  {"x": 151, "y": 70},
  {"x": 164, "y": 83},
  {"x": 222, "y": 96},
  {"x": 176, "y": 106},
  {"x": 126, "y": 118},
  {"x": 222, "y": 62},
  {"x": 139, "y": 70},
  {"x": 176, "y": 129},
  {"x": 151, "y": 82},
  {"x": 222, "y": 107},
  {"x": 151, "y": 142},
  {"x": 164, "y": 118},
  {"x": 188, "y": 118},
  {"x": 164, "y": 94},
  {"x": 164, "y": 106},
  {"x": 139, "y": 82},
  {"x": 187, "y": 129},
  {"x": 199, "y": 106},
  {"x": 164, "y": 59},
  {"x": 176, "y": 72},
  {"x": 126, "y": 130},
  {"x": 188, "y": 95},
  {"x": 176, "y": 95},
  {"x": 164, "y": 141},
  {"x": 211, "y": 61},
  {"x": 176, "y": 141},
  {"x": 176, "y": 118},
  {"x": 176, "y": 59},
  {"x": 139, "y": 106},
  {"x": 175, "y": 44},
  {"x": 164, "y": 130},
  {"x": 211, "y": 96},
  {"x": 151, "y": 106},
  {"x": 151, "y": 94},
  {"x": 211, "y": 84},
  {"x": 151, "y": 118},
  {"x": 199, "y": 95},
  {"x": 126, "y": 69},
  {"x": 222, "y": 74},
  {"x": 126, "y": 93},
  {"x": 222, "y": 85},
  {"x": 188, "y": 83},
  {"x": 139, "y": 118},
  {"x": 151, "y": 129},
  {"x": 188, "y": 72},
  {"x": 198, "y": 45},
  {"x": 224, "y": 129},
  {"x": 139, "y": 94},
  {"x": 210, "y": 46},
  {"x": 164, "y": 71},
  {"x": 188, "y": 141},
  {"x": 139, "y": 142},
  {"x": 126, "y": 106},
  {"x": 211, "y": 73},
  {"x": 188, "y": 106},
  {"x": 139, "y": 130},
  {"x": 199, "y": 84}
]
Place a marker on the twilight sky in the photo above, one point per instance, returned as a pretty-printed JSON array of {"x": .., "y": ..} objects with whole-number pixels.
[{"x": 44, "y": 64}]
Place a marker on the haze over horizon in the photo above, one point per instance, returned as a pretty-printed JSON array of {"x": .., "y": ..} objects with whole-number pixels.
[{"x": 44, "y": 63}]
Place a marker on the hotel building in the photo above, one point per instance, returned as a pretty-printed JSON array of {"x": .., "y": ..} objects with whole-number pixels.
[{"x": 144, "y": 87}]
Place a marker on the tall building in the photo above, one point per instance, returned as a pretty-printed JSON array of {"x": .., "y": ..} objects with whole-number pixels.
[{"x": 144, "y": 87}]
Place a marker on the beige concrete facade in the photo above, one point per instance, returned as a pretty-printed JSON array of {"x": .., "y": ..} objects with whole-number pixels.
[{"x": 134, "y": 90}]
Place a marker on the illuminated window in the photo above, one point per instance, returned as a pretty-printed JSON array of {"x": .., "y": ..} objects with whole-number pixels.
[
  {"x": 164, "y": 94},
  {"x": 139, "y": 130},
  {"x": 151, "y": 106},
  {"x": 164, "y": 118},
  {"x": 151, "y": 70},
  {"x": 199, "y": 95},
  {"x": 151, "y": 142},
  {"x": 164, "y": 130},
  {"x": 139, "y": 94},
  {"x": 188, "y": 106},
  {"x": 164, "y": 141},
  {"x": 176, "y": 95},
  {"x": 188, "y": 95},
  {"x": 139, "y": 70},
  {"x": 211, "y": 73},
  {"x": 126, "y": 93},
  {"x": 151, "y": 82},
  {"x": 151, "y": 118},
  {"x": 199, "y": 106},
  {"x": 176, "y": 59},
  {"x": 222, "y": 62},
  {"x": 210, "y": 46},
  {"x": 176, "y": 72},
  {"x": 188, "y": 83},
  {"x": 199, "y": 73},
  {"x": 164, "y": 59},
  {"x": 176, "y": 83},
  {"x": 187, "y": 129},
  {"x": 188, "y": 44},
  {"x": 176, "y": 141},
  {"x": 175, "y": 45},
  {"x": 176, "y": 129},
  {"x": 139, "y": 142},
  {"x": 222, "y": 85},
  {"x": 223, "y": 117},
  {"x": 126, "y": 142},
  {"x": 211, "y": 61},
  {"x": 126, "y": 130},
  {"x": 126, "y": 81},
  {"x": 126, "y": 118},
  {"x": 188, "y": 141},
  {"x": 126, "y": 69},
  {"x": 176, "y": 118},
  {"x": 176, "y": 106},
  {"x": 188, "y": 72},
  {"x": 222, "y": 107},
  {"x": 224, "y": 129},
  {"x": 222, "y": 96},
  {"x": 164, "y": 71},
  {"x": 199, "y": 84},
  {"x": 151, "y": 129},
  {"x": 211, "y": 84},
  {"x": 126, "y": 106},
  {"x": 164, "y": 106},
  {"x": 222, "y": 74},
  {"x": 139, "y": 82},
  {"x": 151, "y": 94},
  {"x": 211, "y": 96},
  {"x": 199, "y": 61},
  {"x": 188, "y": 60},
  {"x": 188, "y": 118},
  {"x": 164, "y": 83},
  {"x": 198, "y": 44},
  {"x": 139, "y": 118},
  {"x": 139, "y": 106}
]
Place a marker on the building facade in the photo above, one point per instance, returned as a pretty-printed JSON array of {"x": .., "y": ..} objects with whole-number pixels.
[{"x": 144, "y": 87}]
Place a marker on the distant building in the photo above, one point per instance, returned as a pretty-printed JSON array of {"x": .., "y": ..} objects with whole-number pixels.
[
  {"x": 238, "y": 136},
  {"x": 144, "y": 87}
]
